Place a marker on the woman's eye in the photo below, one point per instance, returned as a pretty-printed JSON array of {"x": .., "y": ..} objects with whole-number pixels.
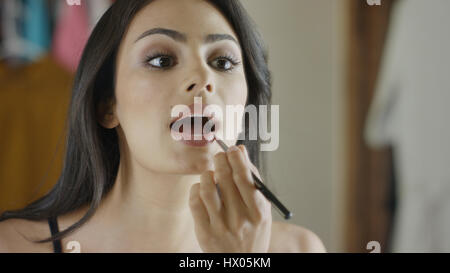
[
  {"x": 224, "y": 63},
  {"x": 160, "y": 62}
]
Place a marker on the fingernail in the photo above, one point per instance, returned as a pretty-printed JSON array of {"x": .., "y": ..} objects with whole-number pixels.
[
  {"x": 244, "y": 150},
  {"x": 233, "y": 148}
]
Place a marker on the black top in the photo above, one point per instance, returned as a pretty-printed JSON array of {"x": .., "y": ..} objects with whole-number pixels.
[{"x": 53, "y": 223}]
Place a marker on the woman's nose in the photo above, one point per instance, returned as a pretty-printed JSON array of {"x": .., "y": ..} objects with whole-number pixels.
[
  {"x": 200, "y": 81},
  {"x": 194, "y": 87}
]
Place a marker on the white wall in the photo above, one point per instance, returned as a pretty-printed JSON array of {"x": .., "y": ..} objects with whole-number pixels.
[{"x": 305, "y": 51}]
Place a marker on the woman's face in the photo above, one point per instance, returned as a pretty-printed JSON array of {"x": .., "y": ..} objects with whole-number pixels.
[{"x": 158, "y": 71}]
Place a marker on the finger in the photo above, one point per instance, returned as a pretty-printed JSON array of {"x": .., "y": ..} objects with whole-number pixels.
[
  {"x": 249, "y": 162},
  {"x": 231, "y": 198},
  {"x": 210, "y": 196},
  {"x": 198, "y": 209},
  {"x": 252, "y": 197}
]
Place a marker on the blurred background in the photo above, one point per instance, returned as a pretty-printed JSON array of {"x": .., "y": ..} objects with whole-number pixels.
[{"x": 363, "y": 90}]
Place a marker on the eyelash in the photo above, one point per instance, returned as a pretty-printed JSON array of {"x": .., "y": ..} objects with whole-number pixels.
[{"x": 158, "y": 54}]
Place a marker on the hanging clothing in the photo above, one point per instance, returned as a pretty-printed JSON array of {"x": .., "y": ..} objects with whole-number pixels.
[
  {"x": 12, "y": 44},
  {"x": 36, "y": 28},
  {"x": 71, "y": 34},
  {"x": 410, "y": 112},
  {"x": 30, "y": 27},
  {"x": 26, "y": 28}
]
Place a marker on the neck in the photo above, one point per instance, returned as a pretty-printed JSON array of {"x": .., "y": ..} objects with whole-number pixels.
[{"x": 145, "y": 209}]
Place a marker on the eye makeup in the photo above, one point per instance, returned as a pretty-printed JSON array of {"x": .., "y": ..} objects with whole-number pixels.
[
  {"x": 159, "y": 54},
  {"x": 166, "y": 55}
]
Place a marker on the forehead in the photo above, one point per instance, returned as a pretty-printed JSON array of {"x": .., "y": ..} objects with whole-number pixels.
[{"x": 196, "y": 18}]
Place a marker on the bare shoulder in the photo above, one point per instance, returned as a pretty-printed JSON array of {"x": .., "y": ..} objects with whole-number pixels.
[
  {"x": 290, "y": 238},
  {"x": 17, "y": 235}
]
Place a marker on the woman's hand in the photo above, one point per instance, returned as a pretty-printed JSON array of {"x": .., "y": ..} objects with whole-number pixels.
[{"x": 240, "y": 219}]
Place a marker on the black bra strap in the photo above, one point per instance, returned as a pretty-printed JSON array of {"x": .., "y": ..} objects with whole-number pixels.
[{"x": 53, "y": 223}]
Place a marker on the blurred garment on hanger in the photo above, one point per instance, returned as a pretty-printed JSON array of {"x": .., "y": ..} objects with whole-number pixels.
[{"x": 410, "y": 112}]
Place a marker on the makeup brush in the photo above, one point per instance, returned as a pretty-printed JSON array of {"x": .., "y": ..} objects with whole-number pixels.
[{"x": 262, "y": 188}]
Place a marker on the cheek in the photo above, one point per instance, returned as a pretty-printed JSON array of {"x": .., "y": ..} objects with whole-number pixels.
[
  {"x": 136, "y": 91},
  {"x": 235, "y": 92},
  {"x": 140, "y": 108},
  {"x": 140, "y": 97}
]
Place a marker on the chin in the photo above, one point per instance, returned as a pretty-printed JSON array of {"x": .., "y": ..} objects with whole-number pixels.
[{"x": 198, "y": 166}]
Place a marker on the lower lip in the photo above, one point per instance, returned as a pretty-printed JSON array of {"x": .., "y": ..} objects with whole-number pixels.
[{"x": 197, "y": 143}]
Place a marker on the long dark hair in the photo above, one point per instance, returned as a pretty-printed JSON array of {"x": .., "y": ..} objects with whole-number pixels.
[{"x": 92, "y": 155}]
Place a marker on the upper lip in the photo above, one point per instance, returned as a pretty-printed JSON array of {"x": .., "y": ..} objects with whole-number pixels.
[{"x": 192, "y": 113}]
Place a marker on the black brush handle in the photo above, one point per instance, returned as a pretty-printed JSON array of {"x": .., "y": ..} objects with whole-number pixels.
[
  {"x": 263, "y": 189},
  {"x": 272, "y": 198}
]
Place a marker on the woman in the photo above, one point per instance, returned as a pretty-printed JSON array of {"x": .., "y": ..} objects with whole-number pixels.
[{"x": 127, "y": 185}]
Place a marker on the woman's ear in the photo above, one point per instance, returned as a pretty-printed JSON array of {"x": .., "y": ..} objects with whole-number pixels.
[{"x": 106, "y": 115}]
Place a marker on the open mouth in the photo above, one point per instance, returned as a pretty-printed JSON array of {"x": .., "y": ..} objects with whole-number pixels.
[{"x": 196, "y": 125}]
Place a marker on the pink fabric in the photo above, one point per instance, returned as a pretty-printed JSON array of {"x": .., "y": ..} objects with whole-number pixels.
[{"x": 71, "y": 34}]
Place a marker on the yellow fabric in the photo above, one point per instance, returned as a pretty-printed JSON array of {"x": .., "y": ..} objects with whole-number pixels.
[{"x": 33, "y": 107}]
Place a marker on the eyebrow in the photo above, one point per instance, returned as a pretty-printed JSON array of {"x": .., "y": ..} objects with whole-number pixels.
[{"x": 181, "y": 37}]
